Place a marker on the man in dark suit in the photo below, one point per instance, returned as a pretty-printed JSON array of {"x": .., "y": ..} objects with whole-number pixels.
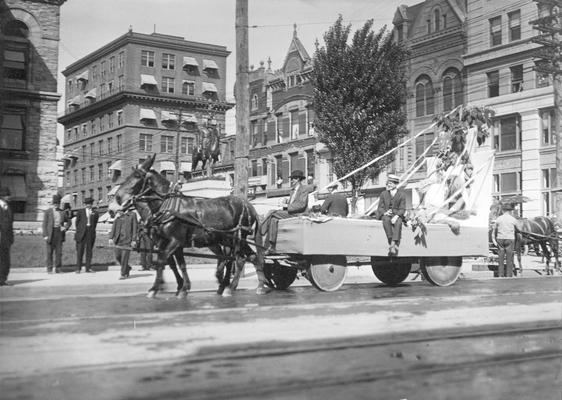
[
  {"x": 123, "y": 234},
  {"x": 6, "y": 235},
  {"x": 392, "y": 206},
  {"x": 55, "y": 224},
  {"x": 335, "y": 204},
  {"x": 295, "y": 205},
  {"x": 85, "y": 236}
]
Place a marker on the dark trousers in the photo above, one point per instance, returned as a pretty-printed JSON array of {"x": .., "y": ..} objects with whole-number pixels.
[
  {"x": 393, "y": 231},
  {"x": 122, "y": 257},
  {"x": 505, "y": 251},
  {"x": 271, "y": 222},
  {"x": 146, "y": 258},
  {"x": 4, "y": 261},
  {"x": 85, "y": 245},
  {"x": 55, "y": 246}
]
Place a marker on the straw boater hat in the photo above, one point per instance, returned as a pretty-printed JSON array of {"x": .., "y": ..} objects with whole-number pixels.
[{"x": 393, "y": 178}]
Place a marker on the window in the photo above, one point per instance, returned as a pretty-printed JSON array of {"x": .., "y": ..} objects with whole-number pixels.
[
  {"x": 84, "y": 152},
  {"x": 93, "y": 127},
  {"x": 188, "y": 88},
  {"x": 12, "y": 134},
  {"x": 145, "y": 142},
  {"x": 121, "y": 60},
  {"x": 110, "y": 87},
  {"x": 514, "y": 21},
  {"x": 496, "y": 31},
  {"x": 253, "y": 133},
  {"x": 119, "y": 143},
  {"x": 92, "y": 173},
  {"x": 111, "y": 65},
  {"x": 547, "y": 127},
  {"x": 183, "y": 145},
  {"x": 15, "y": 64},
  {"x": 254, "y": 168},
  {"x": 452, "y": 89},
  {"x": 120, "y": 84},
  {"x": 424, "y": 97},
  {"x": 100, "y": 147},
  {"x": 507, "y": 135},
  {"x": 423, "y": 142},
  {"x": 166, "y": 144},
  {"x": 444, "y": 21},
  {"x": 254, "y": 102},
  {"x": 509, "y": 182},
  {"x": 167, "y": 85},
  {"x": 84, "y": 130},
  {"x": 168, "y": 61},
  {"x": 102, "y": 123},
  {"x": 294, "y": 124},
  {"x": 399, "y": 33},
  {"x": 147, "y": 58},
  {"x": 100, "y": 172},
  {"x": 109, "y": 145},
  {"x": 110, "y": 120},
  {"x": 548, "y": 190},
  {"x": 493, "y": 84},
  {"x": 516, "y": 78},
  {"x": 428, "y": 23},
  {"x": 119, "y": 117},
  {"x": 103, "y": 71},
  {"x": 95, "y": 73},
  {"x": 83, "y": 173},
  {"x": 67, "y": 181},
  {"x": 437, "y": 20},
  {"x": 92, "y": 151}
]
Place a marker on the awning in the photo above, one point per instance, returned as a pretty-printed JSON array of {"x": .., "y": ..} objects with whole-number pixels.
[
  {"x": 147, "y": 113},
  {"x": 168, "y": 116},
  {"x": 190, "y": 62},
  {"x": 188, "y": 118},
  {"x": 209, "y": 87},
  {"x": 185, "y": 166},
  {"x": 148, "y": 80},
  {"x": 83, "y": 76},
  {"x": 167, "y": 166},
  {"x": 113, "y": 190},
  {"x": 116, "y": 166},
  {"x": 75, "y": 101},
  {"x": 210, "y": 64},
  {"x": 91, "y": 93},
  {"x": 16, "y": 184}
]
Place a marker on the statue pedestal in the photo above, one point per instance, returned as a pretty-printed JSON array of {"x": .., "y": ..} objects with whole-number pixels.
[{"x": 207, "y": 187}]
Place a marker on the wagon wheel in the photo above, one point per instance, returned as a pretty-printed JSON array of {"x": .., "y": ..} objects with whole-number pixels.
[
  {"x": 278, "y": 276},
  {"x": 390, "y": 274},
  {"x": 327, "y": 273},
  {"x": 441, "y": 271}
]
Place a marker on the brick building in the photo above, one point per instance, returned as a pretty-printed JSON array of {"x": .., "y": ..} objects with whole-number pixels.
[
  {"x": 124, "y": 101},
  {"x": 28, "y": 103}
]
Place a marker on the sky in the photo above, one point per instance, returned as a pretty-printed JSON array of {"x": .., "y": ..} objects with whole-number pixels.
[{"x": 87, "y": 25}]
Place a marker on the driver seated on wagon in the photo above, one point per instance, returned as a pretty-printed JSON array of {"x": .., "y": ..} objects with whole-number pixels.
[
  {"x": 294, "y": 206},
  {"x": 392, "y": 205}
]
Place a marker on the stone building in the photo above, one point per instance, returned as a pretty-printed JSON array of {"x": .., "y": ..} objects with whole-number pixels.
[
  {"x": 282, "y": 135},
  {"x": 138, "y": 95},
  {"x": 28, "y": 103},
  {"x": 480, "y": 53}
]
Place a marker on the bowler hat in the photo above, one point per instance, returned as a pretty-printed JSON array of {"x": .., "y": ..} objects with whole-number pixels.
[
  {"x": 297, "y": 174},
  {"x": 56, "y": 199},
  {"x": 88, "y": 200},
  {"x": 393, "y": 178}
]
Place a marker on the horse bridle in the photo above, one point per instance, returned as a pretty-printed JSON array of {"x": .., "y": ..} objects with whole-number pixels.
[{"x": 131, "y": 202}]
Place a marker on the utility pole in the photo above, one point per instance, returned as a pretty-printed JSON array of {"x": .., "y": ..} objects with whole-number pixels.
[
  {"x": 241, "y": 150},
  {"x": 177, "y": 159},
  {"x": 549, "y": 61}
]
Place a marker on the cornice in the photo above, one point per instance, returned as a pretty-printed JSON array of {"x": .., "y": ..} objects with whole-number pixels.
[{"x": 12, "y": 93}]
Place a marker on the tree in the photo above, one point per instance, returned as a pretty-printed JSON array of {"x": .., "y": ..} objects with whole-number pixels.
[{"x": 359, "y": 93}]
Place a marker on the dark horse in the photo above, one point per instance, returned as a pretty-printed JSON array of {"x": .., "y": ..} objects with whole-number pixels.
[
  {"x": 208, "y": 150},
  {"x": 222, "y": 224},
  {"x": 538, "y": 231}
]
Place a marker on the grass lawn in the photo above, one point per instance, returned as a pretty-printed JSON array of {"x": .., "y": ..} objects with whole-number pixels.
[{"x": 28, "y": 251}]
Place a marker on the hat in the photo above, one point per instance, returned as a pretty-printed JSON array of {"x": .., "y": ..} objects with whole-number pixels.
[
  {"x": 508, "y": 207},
  {"x": 56, "y": 199},
  {"x": 88, "y": 200},
  {"x": 4, "y": 191},
  {"x": 393, "y": 178},
  {"x": 297, "y": 174}
]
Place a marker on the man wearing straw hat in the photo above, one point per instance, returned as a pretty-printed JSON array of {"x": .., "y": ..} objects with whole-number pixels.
[{"x": 392, "y": 205}]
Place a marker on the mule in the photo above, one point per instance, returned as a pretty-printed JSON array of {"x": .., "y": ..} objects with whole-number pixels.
[
  {"x": 222, "y": 224},
  {"x": 539, "y": 231}
]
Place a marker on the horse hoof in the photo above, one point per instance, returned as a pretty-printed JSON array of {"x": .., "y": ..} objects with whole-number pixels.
[
  {"x": 262, "y": 290},
  {"x": 227, "y": 292},
  {"x": 181, "y": 295},
  {"x": 151, "y": 294},
  {"x": 220, "y": 290}
]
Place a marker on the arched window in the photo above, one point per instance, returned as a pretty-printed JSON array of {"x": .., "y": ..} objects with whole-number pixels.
[
  {"x": 254, "y": 102},
  {"x": 452, "y": 89},
  {"x": 424, "y": 96},
  {"x": 16, "y": 54},
  {"x": 437, "y": 20}
]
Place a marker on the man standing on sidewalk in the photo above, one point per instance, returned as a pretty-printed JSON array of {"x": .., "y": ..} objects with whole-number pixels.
[
  {"x": 85, "y": 236},
  {"x": 6, "y": 235},
  {"x": 123, "y": 234},
  {"x": 55, "y": 224}
]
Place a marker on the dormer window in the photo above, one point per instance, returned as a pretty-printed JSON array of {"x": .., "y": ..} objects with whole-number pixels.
[{"x": 399, "y": 33}]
